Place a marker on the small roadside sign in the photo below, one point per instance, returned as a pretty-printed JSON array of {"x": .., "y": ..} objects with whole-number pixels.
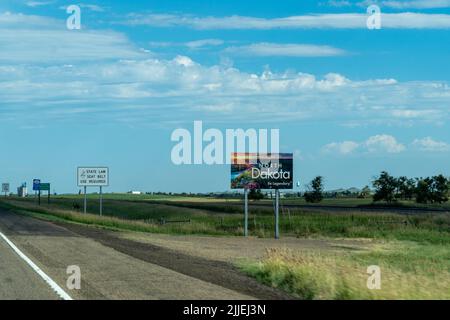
[
  {"x": 5, "y": 188},
  {"x": 36, "y": 184},
  {"x": 93, "y": 176},
  {"x": 44, "y": 187}
]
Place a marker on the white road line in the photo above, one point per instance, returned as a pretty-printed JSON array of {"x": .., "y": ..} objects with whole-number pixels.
[{"x": 59, "y": 291}]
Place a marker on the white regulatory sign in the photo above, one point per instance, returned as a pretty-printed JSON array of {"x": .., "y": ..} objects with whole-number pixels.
[
  {"x": 5, "y": 187},
  {"x": 93, "y": 176}
]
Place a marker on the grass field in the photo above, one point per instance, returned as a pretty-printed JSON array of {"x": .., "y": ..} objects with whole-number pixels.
[
  {"x": 408, "y": 271},
  {"x": 350, "y": 202},
  {"x": 220, "y": 218},
  {"x": 413, "y": 251}
]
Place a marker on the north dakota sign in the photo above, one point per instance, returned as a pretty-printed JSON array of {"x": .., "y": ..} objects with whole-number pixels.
[{"x": 261, "y": 171}]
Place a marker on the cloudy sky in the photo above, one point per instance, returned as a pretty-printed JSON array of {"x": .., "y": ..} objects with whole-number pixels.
[{"x": 349, "y": 101}]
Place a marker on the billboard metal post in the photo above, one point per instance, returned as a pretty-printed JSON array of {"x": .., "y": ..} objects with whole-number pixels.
[
  {"x": 101, "y": 200},
  {"x": 246, "y": 212},
  {"x": 277, "y": 213},
  {"x": 85, "y": 199}
]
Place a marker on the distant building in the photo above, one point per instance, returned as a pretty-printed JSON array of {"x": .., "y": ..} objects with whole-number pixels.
[
  {"x": 22, "y": 191},
  {"x": 135, "y": 192}
]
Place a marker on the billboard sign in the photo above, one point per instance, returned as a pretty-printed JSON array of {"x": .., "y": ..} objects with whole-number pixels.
[
  {"x": 93, "y": 176},
  {"x": 261, "y": 171},
  {"x": 36, "y": 184},
  {"x": 5, "y": 187}
]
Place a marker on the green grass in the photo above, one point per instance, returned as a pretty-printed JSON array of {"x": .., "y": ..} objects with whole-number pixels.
[
  {"x": 408, "y": 271},
  {"x": 139, "y": 197},
  {"x": 115, "y": 223},
  {"x": 413, "y": 251},
  {"x": 208, "y": 218},
  {"x": 195, "y": 201}
]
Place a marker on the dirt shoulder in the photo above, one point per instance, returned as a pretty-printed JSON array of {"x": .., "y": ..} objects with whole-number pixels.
[
  {"x": 220, "y": 273},
  {"x": 234, "y": 249}
]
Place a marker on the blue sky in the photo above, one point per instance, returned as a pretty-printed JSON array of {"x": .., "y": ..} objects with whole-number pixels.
[{"x": 348, "y": 101}]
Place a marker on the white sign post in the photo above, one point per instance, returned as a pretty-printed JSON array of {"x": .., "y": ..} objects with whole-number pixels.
[
  {"x": 93, "y": 177},
  {"x": 5, "y": 188}
]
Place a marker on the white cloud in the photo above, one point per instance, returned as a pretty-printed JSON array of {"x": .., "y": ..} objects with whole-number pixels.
[
  {"x": 393, "y": 4},
  {"x": 337, "y": 3},
  {"x": 430, "y": 145},
  {"x": 416, "y": 114},
  {"x": 404, "y": 20},
  {"x": 91, "y": 7},
  {"x": 416, "y": 4},
  {"x": 48, "y": 71},
  {"x": 343, "y": 148},
  {"x": 144, "y": 86},
  {"x": 195, "y": 44},
  {"x": 34, "y": 39},
  {"x": 383, "y": 143},
  {"x": 286, "y": 50},
  {"x": 375, "y": 144},
  {"x": 21, "y": 21},
  {"x": 298, "y": 154},
  {"x": 34, "y": 4},
  {"x": 204, "y": 43}
]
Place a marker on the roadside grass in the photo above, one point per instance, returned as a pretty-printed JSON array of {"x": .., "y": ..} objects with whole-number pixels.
[
  {"x": 165, "y": 218},
  {"x": 408, "y": 271},
  {"x": 142, "y": 197},
  {"x": 219, "y": 203},
  {"x": 110, "y": 222},
  {"x": 413, "y": 251}
]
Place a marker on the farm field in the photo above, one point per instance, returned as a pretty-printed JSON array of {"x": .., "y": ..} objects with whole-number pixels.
[
  {"x": 321, "y": 255},
  {"x": 346, "y": 202}
]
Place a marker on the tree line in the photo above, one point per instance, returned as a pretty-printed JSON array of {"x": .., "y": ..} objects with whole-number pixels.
[
  {"x": 388, "y": 188},
  {"x": 424, "y": 190}
]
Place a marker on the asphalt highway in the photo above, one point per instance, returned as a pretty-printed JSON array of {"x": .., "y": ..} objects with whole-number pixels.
[
  {"x": 18, "y": 281},
  {"x": 111, "y": 268}
]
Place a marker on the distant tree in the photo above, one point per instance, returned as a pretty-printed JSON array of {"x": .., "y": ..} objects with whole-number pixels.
[
  {"x": 365, "y": 192},
  {"x": 315, "y": 190},
  {"x": 424, "y": 190},
  {"x": 385, "y": 186},
  {"x": 440, "y": 188},
  {"x": 405, "y": 188},
  {"x": 255, "y": 194},
  {"x": 434, "y": 189}
]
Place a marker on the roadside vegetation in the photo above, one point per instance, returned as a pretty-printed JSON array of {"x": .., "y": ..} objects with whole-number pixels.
[
  {"x": 411, "y": 248},
  {"x": 424, "y": 190},
  {"x": 208, "y": 219},
  {"x": 408, "y": 271}
]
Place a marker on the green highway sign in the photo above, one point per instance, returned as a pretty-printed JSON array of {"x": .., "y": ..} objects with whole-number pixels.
[{"x": 44, "y": 187}]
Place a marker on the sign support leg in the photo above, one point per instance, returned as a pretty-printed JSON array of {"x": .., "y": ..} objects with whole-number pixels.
[
  {"x": 39, "y": 197},
  {"x": 277, "y": 213},
  {"x": 101, "y": 200},
  {"x": 245, "y": 212},
  {"x": 85, "y": 200}
]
